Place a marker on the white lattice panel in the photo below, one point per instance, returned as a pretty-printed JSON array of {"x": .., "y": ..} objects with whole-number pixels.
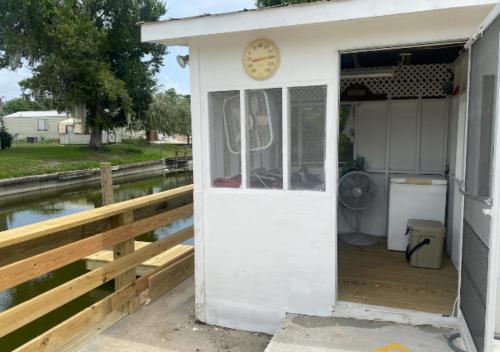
[{"x": 409, "y": 81}]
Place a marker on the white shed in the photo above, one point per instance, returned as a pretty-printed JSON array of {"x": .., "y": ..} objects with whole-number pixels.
[
  {"x": 34, "y": 125},
  {"x": 72, "y": 131},
  {"x": 413, "y": 85}
]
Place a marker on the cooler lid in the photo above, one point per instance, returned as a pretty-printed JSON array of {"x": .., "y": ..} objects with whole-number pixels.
[
  {"x": 419, "y": 179},
  {"x": 428, "y": 227}
]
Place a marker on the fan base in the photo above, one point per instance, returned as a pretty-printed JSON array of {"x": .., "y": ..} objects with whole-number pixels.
[{"x": 358, "y": 239}]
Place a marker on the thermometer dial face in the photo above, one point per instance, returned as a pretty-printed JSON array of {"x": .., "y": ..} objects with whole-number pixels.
[{"x": 261, "y": 59}]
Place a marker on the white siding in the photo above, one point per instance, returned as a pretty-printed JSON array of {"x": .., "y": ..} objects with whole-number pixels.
[
  {"x": 262, "y": 253},
  {"x": 24, "y": 127}
]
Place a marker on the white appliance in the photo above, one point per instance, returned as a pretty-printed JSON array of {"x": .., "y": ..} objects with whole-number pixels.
[{"x": 413, "y": 197}]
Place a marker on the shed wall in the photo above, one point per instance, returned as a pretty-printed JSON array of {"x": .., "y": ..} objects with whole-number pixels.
[{"x": 263, "y": 253}]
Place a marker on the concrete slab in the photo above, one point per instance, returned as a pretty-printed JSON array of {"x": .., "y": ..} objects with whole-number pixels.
[
  {"x": 314, "y": 334},
  {"x": 168, "y": 325}
]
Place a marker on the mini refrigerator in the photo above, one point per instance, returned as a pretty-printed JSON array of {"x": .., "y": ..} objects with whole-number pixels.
[{"x": 413, "y": 197}]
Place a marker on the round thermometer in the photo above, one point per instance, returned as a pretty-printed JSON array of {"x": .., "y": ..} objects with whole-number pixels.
[{"x": 261, "y": 59}]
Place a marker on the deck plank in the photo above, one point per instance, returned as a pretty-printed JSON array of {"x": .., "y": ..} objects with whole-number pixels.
[
  {"x": 373, "y": 275},
  {"x": 101, "y": 258}
]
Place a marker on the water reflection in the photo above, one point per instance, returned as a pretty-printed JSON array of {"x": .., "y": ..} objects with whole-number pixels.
[{"x": 45, "y": 206}]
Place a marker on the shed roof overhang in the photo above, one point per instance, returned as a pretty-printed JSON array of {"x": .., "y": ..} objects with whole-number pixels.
[{"x": 180, "y": 31}]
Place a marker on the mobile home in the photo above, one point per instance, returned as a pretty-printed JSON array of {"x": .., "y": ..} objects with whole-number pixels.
[
  {"x": 34, "y": 126},
  {"x": 317, "y": 122}
]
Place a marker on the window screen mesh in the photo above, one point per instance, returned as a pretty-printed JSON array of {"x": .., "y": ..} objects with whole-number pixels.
[
  {"x": 307, "y": 138},
  {"x": 264, "y": 138},
  {"x": 482, "y": 88},
  {"x": 482, "y": 104},
  {"x": 225, "y": 139}
]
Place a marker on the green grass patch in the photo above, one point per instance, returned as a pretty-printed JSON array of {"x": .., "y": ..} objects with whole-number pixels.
[{"x": 42, "y": 158}]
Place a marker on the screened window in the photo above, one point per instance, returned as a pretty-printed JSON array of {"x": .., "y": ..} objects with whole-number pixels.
[
  {"x": 43, "y": 125},
  {"x": 225, "y": 139},
  {"x": 264, "y": 138},
  {"x": 307, "y": 138}
]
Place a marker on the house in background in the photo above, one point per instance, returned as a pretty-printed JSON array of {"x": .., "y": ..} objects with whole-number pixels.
[{"x": 34, "y": 126}]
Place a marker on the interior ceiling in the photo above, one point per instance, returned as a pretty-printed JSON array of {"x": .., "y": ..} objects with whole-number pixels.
[{"x": 421, "y": 55}]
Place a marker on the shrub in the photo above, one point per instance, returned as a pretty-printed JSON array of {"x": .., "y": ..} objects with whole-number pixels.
[{"x": 5, "y": 137}]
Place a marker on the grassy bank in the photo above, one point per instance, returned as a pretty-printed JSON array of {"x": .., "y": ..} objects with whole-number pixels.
[{"x": 42, "y": 158}]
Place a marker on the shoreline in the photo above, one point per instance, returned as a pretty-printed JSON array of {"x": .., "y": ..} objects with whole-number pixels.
[{"x": 20, "y": 185}]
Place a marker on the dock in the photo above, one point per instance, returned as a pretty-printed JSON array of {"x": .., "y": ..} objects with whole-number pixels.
[
  {"x": 105, "y": 238},
  {"x": 164, "y": 259}
]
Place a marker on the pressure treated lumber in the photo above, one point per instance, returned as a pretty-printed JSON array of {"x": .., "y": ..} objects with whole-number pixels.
[
  {"x": 61, "y": 334},
  {"x": 32, "y": 267},
  {"x": 168, "y": 278},
  {"x": 120, "y": 250},
  {"x": 41, "y": 229},
  {"x": 107, "y": 184},
  {"x": 26, "y": 312},
  {"x": 166, "y": 258},
  {"x": 94, "y": 319}
]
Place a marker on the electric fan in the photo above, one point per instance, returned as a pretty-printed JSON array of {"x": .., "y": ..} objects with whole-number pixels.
[
  {"x": 232, "y": 127},
  {"x": 357, "y": 192},
  {"x": 259, "y": 121}
]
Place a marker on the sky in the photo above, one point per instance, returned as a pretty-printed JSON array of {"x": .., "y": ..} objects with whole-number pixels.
[{"x": 171, "y": 75}]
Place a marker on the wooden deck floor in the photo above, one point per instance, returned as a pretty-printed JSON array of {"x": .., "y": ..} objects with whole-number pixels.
[{"x": 373, "y": 275}]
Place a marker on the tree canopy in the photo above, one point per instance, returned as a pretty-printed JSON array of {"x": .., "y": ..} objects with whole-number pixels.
[
  {"x": 268, "y": 3},
  {"x": 26, "y": 104},
  {"x": 85, "y": 53},
  {"x": 170, "y": 113}
]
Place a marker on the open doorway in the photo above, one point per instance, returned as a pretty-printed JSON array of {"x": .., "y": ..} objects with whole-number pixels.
[{"x": 401, "y": 150}]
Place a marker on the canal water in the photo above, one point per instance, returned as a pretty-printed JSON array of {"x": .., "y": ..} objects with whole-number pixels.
[{"x": 48, "y": 205}]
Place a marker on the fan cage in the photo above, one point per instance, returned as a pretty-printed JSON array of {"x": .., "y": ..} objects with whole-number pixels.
[
  {"x": 350, "y": 183},
  {"x": 260, "y": 109}
]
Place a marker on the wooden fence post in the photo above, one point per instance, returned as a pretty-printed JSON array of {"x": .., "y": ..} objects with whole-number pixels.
[
  {"x": 106, "y": 184},
  {"x": 123, "y": 248}
]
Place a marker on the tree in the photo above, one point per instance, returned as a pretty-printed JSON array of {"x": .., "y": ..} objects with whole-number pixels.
[
  {"x": 85, "y": 53},
  {"x": 170, "y": 113},
  {"x": 183, "y": 125},
  {"x": 5, "y": 137},
  {"x": 268, "y": 3},
  {"x": 25, "y": 104}
]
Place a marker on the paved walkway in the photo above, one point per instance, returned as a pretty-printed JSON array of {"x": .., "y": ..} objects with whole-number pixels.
[
  {"x": 313, "y": 334},
  {"x": 168, "y": 325}
]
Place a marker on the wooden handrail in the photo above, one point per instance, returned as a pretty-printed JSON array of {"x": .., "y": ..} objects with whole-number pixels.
[
  {"x": 49, "y": 247},
  {"x": 30, "y": 232},
  {"x": 29, "y": 268},
  {"x": 24, "y": 313}
]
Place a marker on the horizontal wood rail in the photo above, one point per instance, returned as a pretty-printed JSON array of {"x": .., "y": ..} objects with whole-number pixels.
[
  {"x": 30, "y": 232},
  {"x": 121, "y": 222}
]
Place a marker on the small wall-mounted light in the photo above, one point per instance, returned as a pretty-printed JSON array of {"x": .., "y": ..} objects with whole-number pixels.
[{"x": 183, "y": 61}]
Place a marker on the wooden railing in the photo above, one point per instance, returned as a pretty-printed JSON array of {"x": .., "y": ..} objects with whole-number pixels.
[{"x": 30, "y": 251}]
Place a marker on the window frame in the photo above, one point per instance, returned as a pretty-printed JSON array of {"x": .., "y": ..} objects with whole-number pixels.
[
  {"x": 45, "y": 123},
  {"x": 330, "y": 104}
]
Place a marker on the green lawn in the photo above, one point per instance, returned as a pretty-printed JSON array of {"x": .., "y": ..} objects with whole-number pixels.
[{"x": 34, "y": 159}]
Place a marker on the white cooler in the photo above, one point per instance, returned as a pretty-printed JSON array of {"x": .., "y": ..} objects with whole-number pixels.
[{"x": 413, "y": 197}]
